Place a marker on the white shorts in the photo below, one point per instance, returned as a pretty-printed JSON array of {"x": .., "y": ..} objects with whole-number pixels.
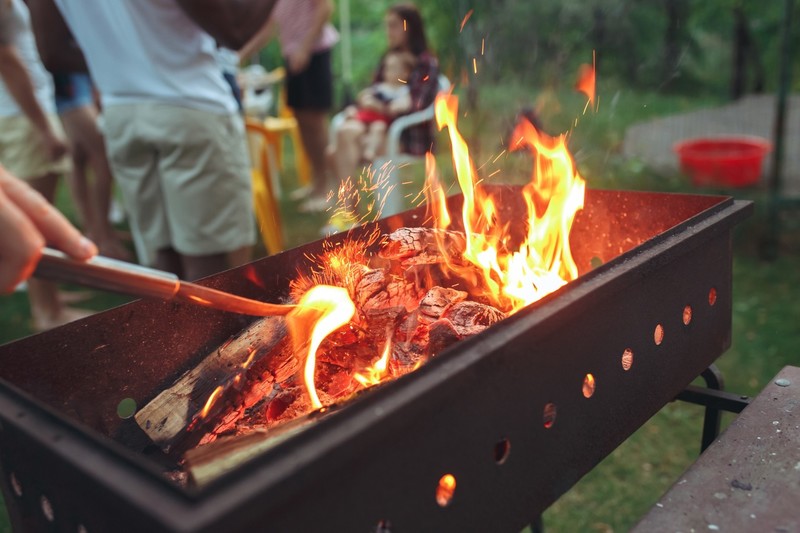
[
  {"x": 22, "y": 151},
  {"x": 184, "y": 178}
]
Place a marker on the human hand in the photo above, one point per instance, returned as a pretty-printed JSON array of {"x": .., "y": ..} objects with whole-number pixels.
[{"x": 27, "y": 222}]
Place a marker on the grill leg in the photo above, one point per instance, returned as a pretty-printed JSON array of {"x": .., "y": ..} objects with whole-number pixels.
[
  {"x": 713, "y": 418},
  {"x": 715, "y": 400}
]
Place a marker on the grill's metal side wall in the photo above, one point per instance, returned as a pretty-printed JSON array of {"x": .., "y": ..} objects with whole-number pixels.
[
  {"x": 380, "y": 458},
  {"x": 391, "y": 472}
]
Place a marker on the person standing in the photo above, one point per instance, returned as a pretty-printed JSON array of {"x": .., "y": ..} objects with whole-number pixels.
[
  {"x": 31, "y": 144},
  {"x": 174, "y": 137},
  {"x": 78, "y": 113},
  {"x": 306, "y": 37}
]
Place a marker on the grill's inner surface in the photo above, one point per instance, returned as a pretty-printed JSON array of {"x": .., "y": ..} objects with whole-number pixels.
[{"x": 130, "y": 354}]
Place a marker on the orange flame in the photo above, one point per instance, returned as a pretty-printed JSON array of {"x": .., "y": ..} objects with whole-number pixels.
[
  {"x": 376, "y": 372},
  {"x": 321, "y": 311},
  {"x": 543, "y": 261},
  {"x": 210, "y": 402},
  {"x": 586, "y": 82}
]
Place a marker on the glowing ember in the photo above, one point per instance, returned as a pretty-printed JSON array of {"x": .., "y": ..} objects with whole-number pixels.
[
  {"x": 376, "y": 372},
  {"x": 587, "y": 82},
  {"x": 543, "y": 261},
  {"x": 321, "y": 311}
]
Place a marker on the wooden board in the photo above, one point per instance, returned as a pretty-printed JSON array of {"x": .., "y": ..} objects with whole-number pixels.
[{"x": 749, "y": 479}]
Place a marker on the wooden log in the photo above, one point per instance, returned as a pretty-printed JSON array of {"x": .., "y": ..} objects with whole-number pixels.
[
  {"x": 206, "y": 463},
  {"x": 166, "y": 418}
]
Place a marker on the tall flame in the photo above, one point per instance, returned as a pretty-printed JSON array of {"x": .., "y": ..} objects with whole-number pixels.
[
  {"x": 543, "y": 261},
  {"x": 322, "y": 310}
]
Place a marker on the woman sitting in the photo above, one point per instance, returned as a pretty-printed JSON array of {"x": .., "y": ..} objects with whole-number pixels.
[{"x": 405, "y": 32}]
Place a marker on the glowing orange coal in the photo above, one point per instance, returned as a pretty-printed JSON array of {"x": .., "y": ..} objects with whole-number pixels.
[
  {"x": 321, "y": 311},
  {"x": 513, "y": 278}
]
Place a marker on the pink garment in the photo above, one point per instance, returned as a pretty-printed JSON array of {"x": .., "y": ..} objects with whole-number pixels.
[{"x": 293, "y": 18}]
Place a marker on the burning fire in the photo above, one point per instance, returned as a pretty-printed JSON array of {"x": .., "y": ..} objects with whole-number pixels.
[
  {"x": 511, "y": 278},
  {"x": 508, "y": 269},
  {"x": 320, "y": 312},
  {"x": 543, "y": 261},
  {"x": 376, "y": 372}
]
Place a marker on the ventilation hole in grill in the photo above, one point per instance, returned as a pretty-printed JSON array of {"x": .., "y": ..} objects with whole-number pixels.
[
  {"x": 588, "y": 386},
  {"x": 658, "y": 334},
  {"x": 627, "y": 359},
  {"x": 712, "y": 296},
  {"x": 687, "y": 315},
  {"x": 126, "y": 408},
  {"x": 595, "y": 262},
  {"x": 16, "y": 486},
  {"x": 384, "y": 526},
  {"x": 501, "y": 451},
  {"x": 549, "y": 415},
  {"x": 445, "y": 490},
  {"x": 47, "y": 509}
]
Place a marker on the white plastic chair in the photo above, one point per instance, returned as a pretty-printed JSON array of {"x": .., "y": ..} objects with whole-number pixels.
[{"x": 394, "y": 156}]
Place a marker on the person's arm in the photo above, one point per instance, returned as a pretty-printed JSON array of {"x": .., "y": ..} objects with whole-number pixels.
[
  {"x": 57, "y": 47},
  {"x": 18, "y": 81},
  {"x": 27, "y": 222},
  {"x": 298, "y": 60},
  {"x": 262, "y": 37},
  {"x": 231, "y": 22}
]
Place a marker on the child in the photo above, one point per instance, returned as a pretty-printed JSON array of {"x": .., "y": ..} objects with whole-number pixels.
[{"x": 382, "y": 101}]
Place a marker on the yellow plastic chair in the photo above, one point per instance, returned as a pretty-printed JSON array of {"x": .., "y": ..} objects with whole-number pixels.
[
  {"x": 261, "y": 171},
  {"x": 285, "y": 124}
]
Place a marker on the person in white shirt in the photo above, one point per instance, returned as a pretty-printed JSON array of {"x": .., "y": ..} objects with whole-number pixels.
[{"x": 174, "y": 137}]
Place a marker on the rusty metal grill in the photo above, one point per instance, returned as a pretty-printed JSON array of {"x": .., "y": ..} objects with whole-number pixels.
[{"x": 508, "y": 413}]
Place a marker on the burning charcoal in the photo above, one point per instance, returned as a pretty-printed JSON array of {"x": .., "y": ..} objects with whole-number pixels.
[
  {"x": 409, "y": 242},
  {"x": 459, "y": 321},
  {"x": 334, "y": 380},
  {"x": 377, "y": 289},
  {"x": 371, "y": 284},
  {"x": 470, "y": 318},
  {"x": 434, "y": 303},
  {"x": 442, "y": 334},
  {"x": 410, "y": 344},
  {"x": 284, "y": 406},
  {"x": 345, "y": 356}
]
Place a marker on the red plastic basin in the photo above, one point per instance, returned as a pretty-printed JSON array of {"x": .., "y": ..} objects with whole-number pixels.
[{"x": 727, "y": 161}]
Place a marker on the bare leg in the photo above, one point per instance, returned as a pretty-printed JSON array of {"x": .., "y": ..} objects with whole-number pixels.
[
  {"x": 240, "y": 257},
  {"x": 348, "y": 149},
  {"x": 80, "y": 125},
  {"x": 373, "y": 140},
  {"x": 168, "y": 260},
  {"x": 192, "y": 267},
  {"x": 200, "y": 266},
  {"x": 46, "y": 307},
  {"x": 313, "y": 126}
]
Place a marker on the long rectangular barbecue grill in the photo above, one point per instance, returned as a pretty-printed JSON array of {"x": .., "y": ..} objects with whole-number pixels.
[{"x": 483, "y": 437}]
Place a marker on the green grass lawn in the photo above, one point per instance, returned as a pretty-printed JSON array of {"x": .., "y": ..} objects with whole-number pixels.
[{"x": 766, "y": 294}]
